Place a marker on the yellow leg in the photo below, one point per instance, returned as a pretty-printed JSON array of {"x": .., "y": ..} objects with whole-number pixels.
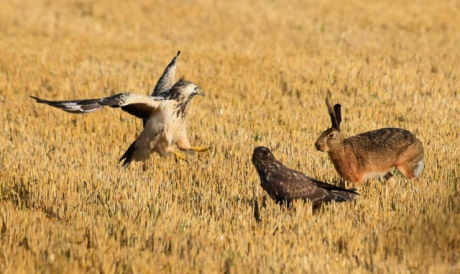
[
  {"x": 178, "y": 155},
  {"x": 200, "y": 149}
]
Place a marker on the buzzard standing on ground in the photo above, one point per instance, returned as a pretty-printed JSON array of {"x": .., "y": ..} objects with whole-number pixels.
[
  {"x": 163, "y": 115},
  {"x": 285, "y": 184}
]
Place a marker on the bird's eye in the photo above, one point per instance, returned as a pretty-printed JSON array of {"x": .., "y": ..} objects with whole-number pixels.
[{"x": 196, "y": 88}]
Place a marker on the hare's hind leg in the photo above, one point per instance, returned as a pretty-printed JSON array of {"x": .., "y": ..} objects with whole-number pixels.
[
  {"x": 410, "y": 167},
  {"x": 410, "y": 161},
  {"x": 410, "y": 170}
]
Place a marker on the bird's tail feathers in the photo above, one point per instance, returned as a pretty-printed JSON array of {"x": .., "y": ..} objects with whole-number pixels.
[
  {"x": 333, "y": 187},
  {"x": 345, "y": 196},
  {"x": 128, "y": 155}
]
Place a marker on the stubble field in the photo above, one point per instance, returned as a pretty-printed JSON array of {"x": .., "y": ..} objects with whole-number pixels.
[{"x": 66, "y": 205}]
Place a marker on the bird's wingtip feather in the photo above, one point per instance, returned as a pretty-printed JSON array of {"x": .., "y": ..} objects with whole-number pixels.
[{"x": 35, "y": 98}]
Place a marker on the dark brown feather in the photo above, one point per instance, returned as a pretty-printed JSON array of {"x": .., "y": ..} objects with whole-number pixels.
[
  {"x": 139, "y": 110},
  {"x": 285, "y": 184}
]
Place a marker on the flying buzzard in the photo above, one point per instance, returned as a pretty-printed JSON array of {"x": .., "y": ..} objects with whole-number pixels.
[
  {"x": 285, "y": 184},
  {"x": 163, "y": 115}
]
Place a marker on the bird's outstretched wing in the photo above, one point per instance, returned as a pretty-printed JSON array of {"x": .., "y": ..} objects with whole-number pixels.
[
  {"x": 140, "y": 106},
  {"x": 166, "y": 80}
]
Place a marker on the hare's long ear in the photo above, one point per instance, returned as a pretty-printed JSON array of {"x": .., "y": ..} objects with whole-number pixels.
[
  {"x": 338, "y": 115},
  {"x": 332, "y": 114}
]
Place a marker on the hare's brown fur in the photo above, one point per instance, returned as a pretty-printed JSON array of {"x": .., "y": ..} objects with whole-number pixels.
[{"x": 371, "y": 154}]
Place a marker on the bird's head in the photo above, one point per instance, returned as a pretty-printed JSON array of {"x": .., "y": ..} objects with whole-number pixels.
[
  {"x": 184, "y": 90},
  {"x": 262, "y": 158},
  {"x": 193, "y": 89}
]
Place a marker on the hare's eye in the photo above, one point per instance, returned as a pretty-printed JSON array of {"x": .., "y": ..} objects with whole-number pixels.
[{"x": 331, "y": 135}]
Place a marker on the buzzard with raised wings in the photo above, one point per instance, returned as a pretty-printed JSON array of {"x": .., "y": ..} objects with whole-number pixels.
[
  {"x": 163, "y": 114},
  {"x": 285, "y": 185}
]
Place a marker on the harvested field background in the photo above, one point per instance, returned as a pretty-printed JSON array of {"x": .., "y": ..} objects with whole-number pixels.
[{"x": 67, "y": 206}]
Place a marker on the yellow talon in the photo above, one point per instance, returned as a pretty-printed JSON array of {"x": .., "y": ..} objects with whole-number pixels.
[
  {"x": 178, "y": 156},
  {"x": 200, "y": 149}
]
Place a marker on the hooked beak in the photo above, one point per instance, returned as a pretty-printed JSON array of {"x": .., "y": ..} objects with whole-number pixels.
[{"x": 200, "y": 92}]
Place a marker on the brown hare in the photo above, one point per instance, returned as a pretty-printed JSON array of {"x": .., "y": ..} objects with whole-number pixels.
[{"x": 370, "y": 154}]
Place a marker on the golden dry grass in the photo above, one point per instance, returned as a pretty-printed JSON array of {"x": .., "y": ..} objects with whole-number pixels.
[{"x": 67, "y": 206}]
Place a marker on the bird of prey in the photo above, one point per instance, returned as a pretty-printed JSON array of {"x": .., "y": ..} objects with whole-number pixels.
[
  {"x": 285, "y": 185},
  {"x": 163, "y": 114}
]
